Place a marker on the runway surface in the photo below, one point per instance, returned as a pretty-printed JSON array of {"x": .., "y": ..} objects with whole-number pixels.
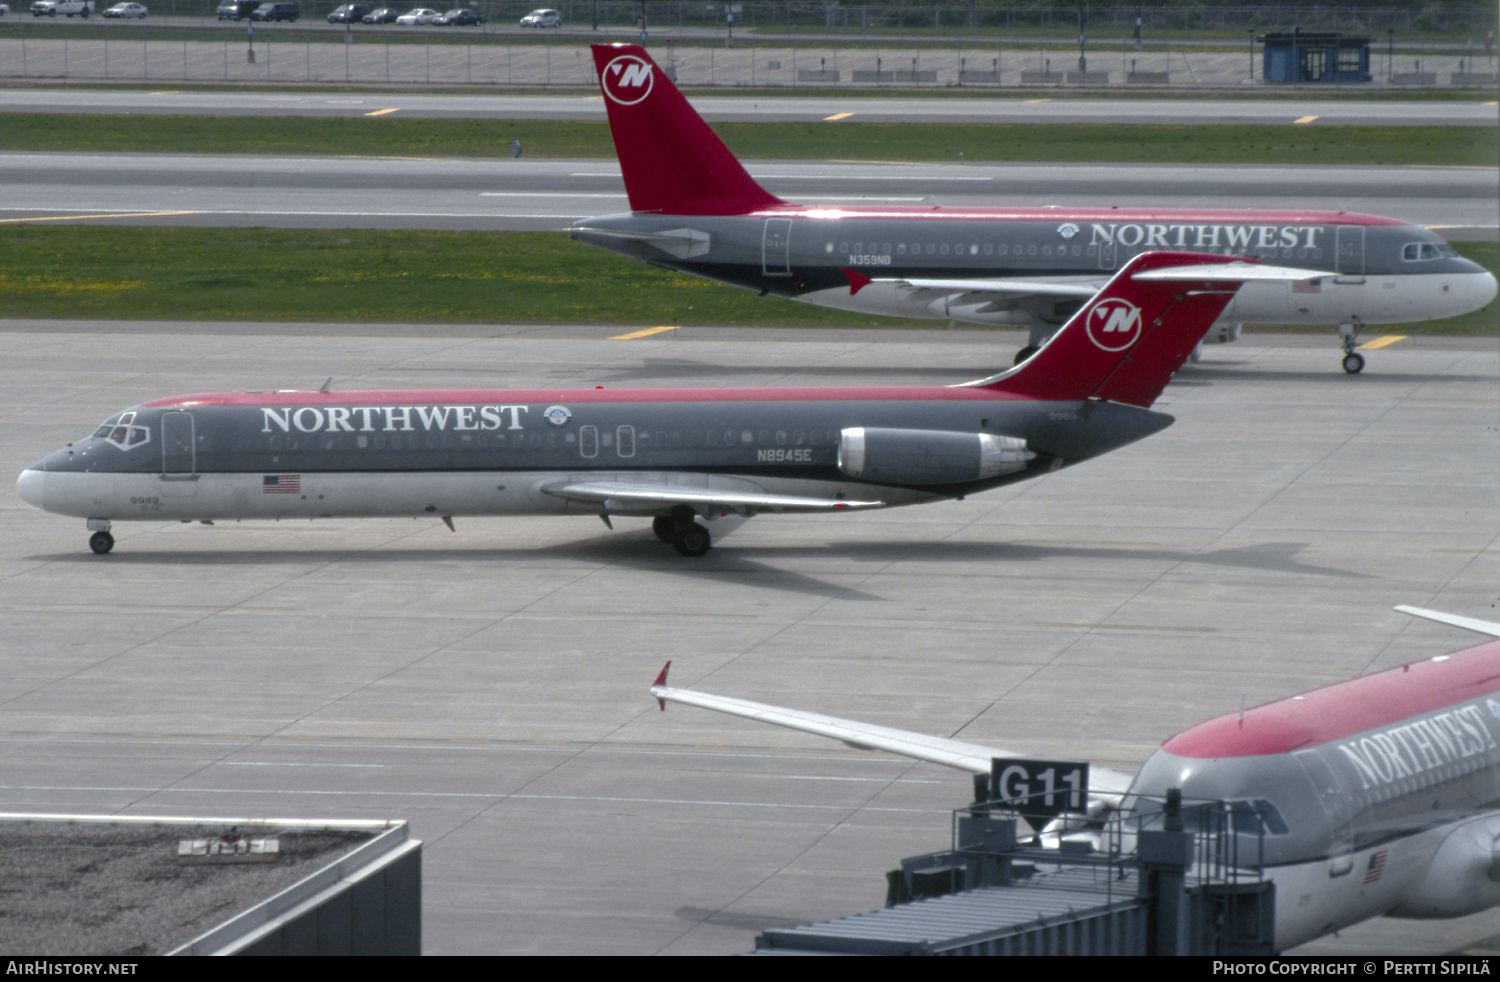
[
  {"x": 535, "y": 194},
  {"x": 1042, "y": 109},
  {"x": 489, "y": 685}
]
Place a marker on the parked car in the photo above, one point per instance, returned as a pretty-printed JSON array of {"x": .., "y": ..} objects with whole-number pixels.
[
  {"x": 542, "y": 17},
  {"x": 51, "y": 8},
  {"x": 420, "y": 15},
  {"x": 384, "y": 15},
  {"x": 350, "y": 12},
  {"x": 237, "y": 9},
  {"x": 127, "y": 11},
  {"x": 462, "y": 17},
  {"x": 4, "y": 10},
  {"x": 276, "y": 11}
]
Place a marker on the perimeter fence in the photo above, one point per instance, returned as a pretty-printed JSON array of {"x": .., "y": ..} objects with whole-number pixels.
[
  {"x": 769, "y": 44},
  {"x": 1428, "y": 20}
]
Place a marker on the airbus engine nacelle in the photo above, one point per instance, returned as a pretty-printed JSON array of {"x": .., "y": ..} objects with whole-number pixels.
[
  {"x": 1462, "y": 879},
  {"x": 923, "y": 457}
]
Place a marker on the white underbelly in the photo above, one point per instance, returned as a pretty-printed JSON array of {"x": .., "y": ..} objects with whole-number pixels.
[{"x": 203, "y": 497}]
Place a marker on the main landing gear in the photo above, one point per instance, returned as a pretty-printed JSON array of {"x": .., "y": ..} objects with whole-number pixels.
[
  {"x": 101, "y": 541},
  {"x": 686, "y": 535},
  {"x": 1354, "y": 362}
]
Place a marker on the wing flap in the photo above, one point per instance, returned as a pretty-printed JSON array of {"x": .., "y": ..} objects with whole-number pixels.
[
  {"x": 1238, "y": 272},
  {"x": 627, "y": 496},
  {"x": 1006, "y": 287}
]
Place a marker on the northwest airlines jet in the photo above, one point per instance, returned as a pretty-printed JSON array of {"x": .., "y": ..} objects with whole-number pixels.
[
  {"x": 695, "y": 209},
  {"x": 672, "y": 455},
  {"x": 1378, "y": 795}
]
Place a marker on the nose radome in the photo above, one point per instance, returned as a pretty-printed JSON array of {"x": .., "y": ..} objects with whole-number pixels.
[{"x": 32, "y": 487}]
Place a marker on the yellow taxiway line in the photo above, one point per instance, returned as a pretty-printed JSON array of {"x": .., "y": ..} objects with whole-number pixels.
[
  {"x": 642, "y": 334},
  {"x": 74, "y": 218},
  {"x": 1382, "y": 342}
]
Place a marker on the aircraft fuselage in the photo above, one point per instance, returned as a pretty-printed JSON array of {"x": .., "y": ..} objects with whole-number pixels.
[
  {"x": 1374, "y": 796},
  {"x": 283, "y": 455},
  {"x": 1380, "y": 271}
]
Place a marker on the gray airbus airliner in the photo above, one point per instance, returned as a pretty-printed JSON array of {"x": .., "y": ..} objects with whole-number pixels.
[
  {"x": 695, "y": 209},
  {"x": 1377, "y": 795},
  {"x": 672, "y": 455}
]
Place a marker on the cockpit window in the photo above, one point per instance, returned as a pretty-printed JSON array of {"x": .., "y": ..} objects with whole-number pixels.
[
  {"x": 122, "y": 433},
  {"x": 1423, "y": 251},
  {"x": 1242, "y": 817}
]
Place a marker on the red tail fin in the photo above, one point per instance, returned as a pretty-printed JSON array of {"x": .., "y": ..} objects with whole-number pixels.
[
  {"x": 1126, "y": 343},
  {"x": 671, "y": 160}
]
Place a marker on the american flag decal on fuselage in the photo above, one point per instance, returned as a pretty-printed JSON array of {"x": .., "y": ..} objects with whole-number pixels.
[{"x": 281, "y": 484}]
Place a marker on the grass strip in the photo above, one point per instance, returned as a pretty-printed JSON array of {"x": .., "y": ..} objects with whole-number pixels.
[
  {"x": 344, "y": 276},
  {"x": 392, "y": 136}
]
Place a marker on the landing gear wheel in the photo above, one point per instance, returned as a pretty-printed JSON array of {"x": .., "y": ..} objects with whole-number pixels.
[
  {"x": 1025, "y": 353},
  {"x": 693, "y": 540},
  {"x": 1354, "y": 363},
  {"x": 101, "y": 542},
  {"x": 662, "y": 526}
]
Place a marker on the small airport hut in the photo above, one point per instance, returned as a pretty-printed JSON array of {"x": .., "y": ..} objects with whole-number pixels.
[{"x": 1299, "y": 57}]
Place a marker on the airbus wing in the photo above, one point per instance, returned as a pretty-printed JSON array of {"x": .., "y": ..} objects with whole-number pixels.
[
  {"x": 1457, "y": 620},
  {"x": 958, "y": 754}
]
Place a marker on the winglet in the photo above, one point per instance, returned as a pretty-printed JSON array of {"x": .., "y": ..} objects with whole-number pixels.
[{"x": 660, "y": 681}]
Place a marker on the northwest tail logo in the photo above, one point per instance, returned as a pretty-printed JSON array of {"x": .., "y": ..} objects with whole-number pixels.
[
  {"x": 1114, "y": 324},
  {"x": 627, "y": 80}
]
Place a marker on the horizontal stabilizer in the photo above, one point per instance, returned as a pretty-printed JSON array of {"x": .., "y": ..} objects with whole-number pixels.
[
  {"x": 1457, "y": 620},
  {"x": 683, "y": 243}
]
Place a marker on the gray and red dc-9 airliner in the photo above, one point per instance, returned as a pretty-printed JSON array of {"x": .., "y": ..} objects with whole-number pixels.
[
  {"x": 695, "y": 209},
  {"x": 672, "y": 455},
  {"x": 1377, "y": 795}
]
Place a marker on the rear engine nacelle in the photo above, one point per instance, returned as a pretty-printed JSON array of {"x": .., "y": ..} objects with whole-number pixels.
[
  {"x": 922, "y": 457},
  {"x": 1463, "y": 878}
]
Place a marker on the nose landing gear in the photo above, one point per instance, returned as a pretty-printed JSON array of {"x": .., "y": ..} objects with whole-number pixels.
[
  {"x": 101, "y": 541},
  {"x": 1354, "y": 362}
]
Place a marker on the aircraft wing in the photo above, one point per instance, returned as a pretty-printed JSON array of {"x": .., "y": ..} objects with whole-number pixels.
[
  {"x": 1086, "y": 286},
  {"x": 958, "y": 754},
  {"x": 1457, "y": 620},
  {"x": 1237, "y": 271},
  {"x": 1010, "y": 286},
  {"x": 622, "y": 497}
]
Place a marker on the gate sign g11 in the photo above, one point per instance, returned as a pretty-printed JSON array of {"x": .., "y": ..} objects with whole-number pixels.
[{"x": 1040, "y": 790}]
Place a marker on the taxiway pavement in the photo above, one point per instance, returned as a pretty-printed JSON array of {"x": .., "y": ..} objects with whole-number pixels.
[
  {"x": 489, "y": 685},
  {"x": 539, "y": 194}
]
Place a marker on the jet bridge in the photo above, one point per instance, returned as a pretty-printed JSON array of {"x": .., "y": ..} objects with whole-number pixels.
[{"x": 1186, "y": 882}]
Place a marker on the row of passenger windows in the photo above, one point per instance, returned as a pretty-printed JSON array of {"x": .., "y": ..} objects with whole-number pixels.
[
  {"x": 623, "y": 441},
  {"x": 1078, "y": 249}
]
